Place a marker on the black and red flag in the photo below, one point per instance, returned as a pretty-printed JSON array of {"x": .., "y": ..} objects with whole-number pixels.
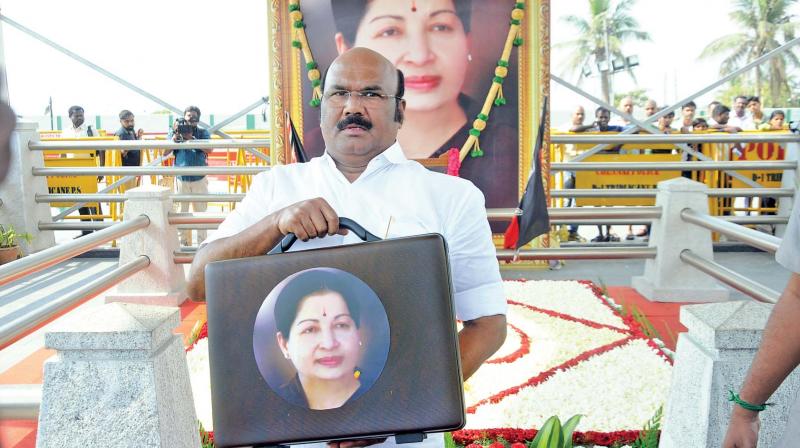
[
  {"x": 534, "y": 220},
  {"x": 298, "y": 153}
]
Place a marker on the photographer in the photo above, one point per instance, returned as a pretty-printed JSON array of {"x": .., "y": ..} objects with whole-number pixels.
[{"x": 183, "y": 130}]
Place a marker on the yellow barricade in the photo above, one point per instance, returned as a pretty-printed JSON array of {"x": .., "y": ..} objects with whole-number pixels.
[
  {"x": 623, "y": 179},
  {"x": 72, "y": 159}
]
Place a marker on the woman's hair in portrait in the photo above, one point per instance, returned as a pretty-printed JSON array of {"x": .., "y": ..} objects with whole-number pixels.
[
  {"x": 348, "y": 14},
  {"x": 311, "y": 283}
]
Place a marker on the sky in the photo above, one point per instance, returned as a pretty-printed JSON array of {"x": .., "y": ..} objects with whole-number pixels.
[{"x": 201, "y": 52}]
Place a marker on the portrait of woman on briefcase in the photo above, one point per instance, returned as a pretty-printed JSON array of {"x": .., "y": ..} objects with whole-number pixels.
[{"x": 321, "y": 338}]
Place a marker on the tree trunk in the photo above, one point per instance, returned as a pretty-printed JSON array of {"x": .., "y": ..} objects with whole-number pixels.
[
  {"x": 604, "y": 86},
  {"x": 758, "y": 82}
]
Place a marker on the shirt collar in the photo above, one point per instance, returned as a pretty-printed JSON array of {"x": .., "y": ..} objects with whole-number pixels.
[{"x": 390, "y": 156}]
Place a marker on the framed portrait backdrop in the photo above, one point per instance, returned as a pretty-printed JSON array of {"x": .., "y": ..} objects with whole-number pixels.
[{"x": 451, "y": 53}]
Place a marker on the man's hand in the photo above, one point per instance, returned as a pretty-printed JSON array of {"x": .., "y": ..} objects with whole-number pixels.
[
  {"x": 308, "y": 219},
  {"x": 742, "y": 429}
]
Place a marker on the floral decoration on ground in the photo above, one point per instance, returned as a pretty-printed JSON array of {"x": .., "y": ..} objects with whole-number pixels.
[{"x": 569, "y": 351}]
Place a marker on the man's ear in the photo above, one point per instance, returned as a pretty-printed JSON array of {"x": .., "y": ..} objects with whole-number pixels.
[
  {"x": 400, "y": 112},
  {"x": 341, "y": 44}
]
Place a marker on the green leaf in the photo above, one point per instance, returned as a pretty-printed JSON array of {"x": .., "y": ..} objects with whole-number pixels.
[
  {"x": 569, "y": 428},
  {"x": 549, "y": 436}
]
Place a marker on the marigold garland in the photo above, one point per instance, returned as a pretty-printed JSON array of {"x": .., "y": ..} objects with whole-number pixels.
[
  {"x": 300, "y": 42},
  {"x": 495, "y": 96}
]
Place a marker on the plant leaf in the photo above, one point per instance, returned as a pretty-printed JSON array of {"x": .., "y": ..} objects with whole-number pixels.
[{"x": 568, "y": 429}]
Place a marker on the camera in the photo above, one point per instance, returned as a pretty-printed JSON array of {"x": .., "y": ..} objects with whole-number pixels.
[{"x": 182, "y": 127}]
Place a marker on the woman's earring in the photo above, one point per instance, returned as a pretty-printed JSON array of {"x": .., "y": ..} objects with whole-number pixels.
[
  {"x": 286, "y": 355},
  {"x": 469, "y": 57},
  {"x": 360, "y": 343}
]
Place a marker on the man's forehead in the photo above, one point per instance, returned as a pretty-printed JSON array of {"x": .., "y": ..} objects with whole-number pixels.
[{"x": 357, "y": 74}]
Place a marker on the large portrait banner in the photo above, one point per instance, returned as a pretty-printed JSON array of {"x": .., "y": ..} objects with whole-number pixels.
[{"x": 473, "y": 74}]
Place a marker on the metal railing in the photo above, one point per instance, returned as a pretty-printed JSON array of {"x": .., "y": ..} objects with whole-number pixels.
[
  {"x": 48, "y": 257},
  {"x": 210, "y": 197},
  {"x": 129, "y": 145},
  {"x": 150, "y": 171},
  {"x": 715, "y": 137},
  {"x": 673, "y": 166},
  {"x": 21, "y": 325},
  {"x": 749, "y": 236},
  {"x": 730, "y": 278},
  {"x": 20, "y": 401},
  {"x": 652, "y": 192}
]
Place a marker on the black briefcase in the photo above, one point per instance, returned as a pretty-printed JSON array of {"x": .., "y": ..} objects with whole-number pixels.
[{"x": 352, "y": 341}]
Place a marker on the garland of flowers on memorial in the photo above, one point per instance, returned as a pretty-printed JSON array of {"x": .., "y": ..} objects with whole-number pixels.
[
  {"x": 495, "y": 96},
  {"x": 602, "y": 357},
  {"x": 300, "y": 41}
]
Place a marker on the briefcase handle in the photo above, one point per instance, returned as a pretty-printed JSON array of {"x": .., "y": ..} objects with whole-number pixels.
[{"x": 345, "y": 223}]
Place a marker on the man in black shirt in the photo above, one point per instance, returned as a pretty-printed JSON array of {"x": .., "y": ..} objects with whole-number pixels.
[{"x": 131, "y": 157}]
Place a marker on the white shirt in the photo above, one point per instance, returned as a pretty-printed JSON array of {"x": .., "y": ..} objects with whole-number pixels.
[
  {"x": 744, "y": 122},
  {"x": 417, "y": 201},
  {"x": 80, "y": 131}
]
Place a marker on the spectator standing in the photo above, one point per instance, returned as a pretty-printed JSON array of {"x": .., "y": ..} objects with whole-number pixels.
[
  {"x": 569, "y": 177},
  {"x": 130, "y": 157},
  {"x": 775, "y": 122},
  {"x": 81, "y": 129},
  {"x": 601, "y": 119},
  {"x": 687, "y": 117},
  {"x": 756, "y": 113},
  {"x": 191, "y": 157},
  {"x": 625, "y": 105},
  {"x": 710, "y": 111},
  {"x": 740, "y": 118},
  {"x": 699, "y": 124},
  {"x": 650, "y": 107}
]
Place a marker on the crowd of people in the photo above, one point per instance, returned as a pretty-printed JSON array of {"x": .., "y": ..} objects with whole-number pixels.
[
  {"x": 183, "y": 130},
  {"x": 747, "y": 115}
]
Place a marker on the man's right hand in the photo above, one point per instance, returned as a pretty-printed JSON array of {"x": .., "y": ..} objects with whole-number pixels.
[
  {"x": 742, "y": 430},
  {"x": 313, "y": 218}
]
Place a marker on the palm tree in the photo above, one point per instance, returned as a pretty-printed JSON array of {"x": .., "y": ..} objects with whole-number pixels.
[
  {"x": 601, "y": 36},
  {"x": 764, "y": 26}
]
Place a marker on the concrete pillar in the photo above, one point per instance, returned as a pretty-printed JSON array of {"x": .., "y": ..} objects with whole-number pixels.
[
  {"x": 18, "y": 190},
  {"x": 666, "y": 278},
  {"x": 712, "y": 358},
  {"x": 163, "y": 282},
  {"x": 119, "y": 379}
]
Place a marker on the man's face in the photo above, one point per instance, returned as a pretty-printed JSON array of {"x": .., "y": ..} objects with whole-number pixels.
[
  {"x": 577, "y": 116},
  {"x": 77, "y": 118},
  {"x": 754, "y": 107},
  {"x": 128, "y": 123},
  {"x": 626, "y": 105},
  {"x": 739, "y": 105},
  {"x": 602, "y": 118},
  {"x": 192, "y": 117},
  {"x": 665, "y": 121},
  {"x": 723, "y": 117},
  {"x": 650, "y": 108},
  {"x": 688, "y": 114},
  {"x": 356, "y": 128}
]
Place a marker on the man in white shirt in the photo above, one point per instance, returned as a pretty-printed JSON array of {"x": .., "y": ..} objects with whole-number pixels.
[
  {"x": 778, "y": 355},
  {"x": 364, "y": 176},
  {"x": 740, "y": 118},
  {"x": 80, "y": 129}
]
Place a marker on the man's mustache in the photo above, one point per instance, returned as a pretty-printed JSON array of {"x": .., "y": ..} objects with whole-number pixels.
[{"x": 357, "y": 120}]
